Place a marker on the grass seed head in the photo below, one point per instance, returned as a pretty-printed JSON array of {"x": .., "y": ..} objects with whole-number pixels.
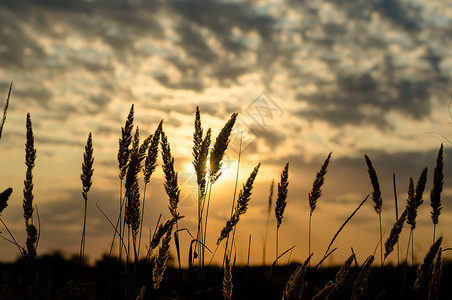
[
  {"x": 200, "y": 163},
  {"x": 161, "y": 231},
  {"x": 438, "y": 181},
  {"x": 424, "y": 271},
  {"x": 4, "y": 196},
  {"x": 30, "y": 156},
  {"x": 197, "y": 135},
  {"x": 376, "y": 193},
  {"x": 227, "y": 279},
  {"x": 5, "y": 109},
  {"x": 316, "y": 192},
  {"x": 281, "y": 201},
  {"x": 361, "y": 280},
  {"x": 415, "y": 198},
  {"x": 241, "y": 206},
  {"x": 296, "y": 283},
  {"x": 151, "y": 158},
  {"x": 331, "y": 286},
  {"x": 270, "y": 197},
  {"x": 87, "y": 167},
  {"x": 161, "y": 259},
  {"x": 395, "y": 234},
  {"x": 420, "y": 187},
  {"x": 124, "y": 143},
  {"x": 171, "y": 186},
  {"x": 436, "y": 277},
  {"x": 132, "y": 189},
  {"x": 219, "y": 148}
]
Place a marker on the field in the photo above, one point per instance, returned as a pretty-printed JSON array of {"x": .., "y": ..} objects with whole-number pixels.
[{"x": 125, "y": 273}]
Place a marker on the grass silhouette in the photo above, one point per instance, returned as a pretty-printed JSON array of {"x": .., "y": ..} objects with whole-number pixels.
[{"x": 129, "y": 275}]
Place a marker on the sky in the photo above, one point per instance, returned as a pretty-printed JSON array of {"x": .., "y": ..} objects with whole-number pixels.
[{"x": 306, "y": 77}]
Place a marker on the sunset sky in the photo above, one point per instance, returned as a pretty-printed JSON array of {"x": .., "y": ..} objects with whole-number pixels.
[{"x": 306, "y": 77}]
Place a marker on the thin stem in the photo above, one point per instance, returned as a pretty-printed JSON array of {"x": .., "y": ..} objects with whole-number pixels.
[
  {"x": 209, "y": 184},
  {"x": 412, "y": 249},
  {"x": 14, "y": 240},
  {"x": 142, "y": 217},
  {"x": 118, "y": 223},
  {"x": 396, "y": 212},
  {"x": 434, "y": 232},
  {"x": 247, "y": 267},
  {"x": 277, "y": 236},
  {"x": 309, "y": 238},
  {"x": 381, "y": 242},
  {"x": 112, "y": 225},
  {"x": 264, "y": 248},
  {"x": 408, "y": 247},
  {"x": 82, "y": 243},
  {"x": 235, "y": 192},
  {"x": 406, "y": 265}
]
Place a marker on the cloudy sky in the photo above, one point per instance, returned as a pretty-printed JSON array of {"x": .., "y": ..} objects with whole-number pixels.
[{"x": 306, "y": 77}]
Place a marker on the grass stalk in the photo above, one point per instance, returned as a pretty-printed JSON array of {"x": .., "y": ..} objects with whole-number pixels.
[
  {"x": 281, "y": 201},
  {"x": 296, "y": 283},
  {"x": 339, "y": 231},
  {"x": 315, "y": 194},
  {"x": 361, "y": 280},
  {"x": 86, "y": 177},
  {"x": 5, "y": 109},
  {"x": 376, "y": 197},
  {"x": 424, "y": 271},
  {"x": 394, "y": 236},
  {"x": 150, "y": 164},
  {"x": 435, "y": 194},
  {"x": 241, "y": 207},
  {"x": 235, "y": 191},
  {"x": 396, "y": 213},
  {"x": 123, "y": 160},
  {"x": 270, "y": 199},
  {"x": 413, "y": 203}
]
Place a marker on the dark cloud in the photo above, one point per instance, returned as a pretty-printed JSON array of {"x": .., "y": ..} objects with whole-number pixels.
[
  {"x": 221, "y": 17},
  {"x": 227, "y": 74},
  {"x": 400, "y": 13},
  {"x": 271, "y": 137},
  {"x": 185, "y": 84},
  {"x": 194, "y": 44},
  {"x": 36, "y": 94},
  {"x": 365, "y": 99},
  {"x": 17, "y": 45},
  {"x": 355, "y": 97}
]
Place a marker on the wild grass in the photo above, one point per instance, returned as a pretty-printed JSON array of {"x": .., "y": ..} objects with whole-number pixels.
[
  {"x": 413, "y": 203},
  {"x": 331, "y": 286},
  {"x": 5, "y": 110},
  {"x": 269, "y": 210},
  {"x": 361, "y": 279},
  {"x": 86, "y": 177},
  {"x": 295, "y": 286},
  {"x": 315, "y": 194},
  {"x": 281, "y": 201},
  {"x": 241, "y": 206},
  {"x": 435, "y": 194},
  {"x": 32, "y": 232},
  {"x": 137, "y": 159},
  {"x": 376, "y": 197},
  {"x": 395, "y": 234},
  {"x": 424, "y": 271}
]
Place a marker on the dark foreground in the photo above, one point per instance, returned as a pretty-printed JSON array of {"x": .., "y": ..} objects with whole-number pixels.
[{"x": 58, "y": 278}]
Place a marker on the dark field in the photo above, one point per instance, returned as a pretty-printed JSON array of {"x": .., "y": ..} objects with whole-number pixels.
[{"x": 60, "y": 278}]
